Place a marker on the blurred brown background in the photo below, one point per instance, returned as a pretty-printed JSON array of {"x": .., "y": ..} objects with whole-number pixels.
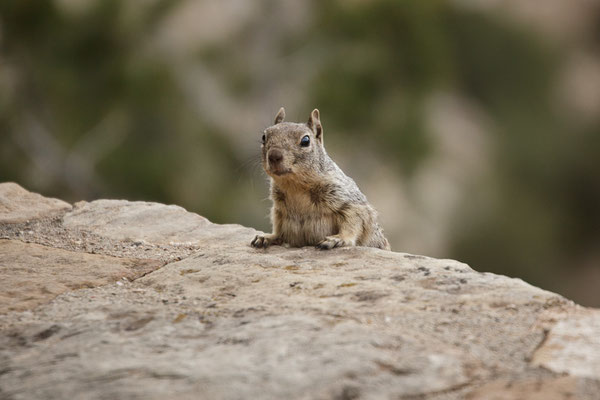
[{"x": 472, "y": 125}]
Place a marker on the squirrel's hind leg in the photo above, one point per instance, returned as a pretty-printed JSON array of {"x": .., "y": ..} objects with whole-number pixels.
[{"x": 349, "y": 232}]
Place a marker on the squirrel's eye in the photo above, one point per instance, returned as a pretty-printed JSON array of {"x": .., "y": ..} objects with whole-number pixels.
[
  {"x": 305, "y": 141},
  {"x": 263, "y": 139}
]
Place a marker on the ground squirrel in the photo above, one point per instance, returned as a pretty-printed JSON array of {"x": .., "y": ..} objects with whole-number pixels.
[{"x": 314, "y": 202}]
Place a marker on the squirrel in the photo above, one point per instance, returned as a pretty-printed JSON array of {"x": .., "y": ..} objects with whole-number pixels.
[{"x": 314, "y": 202}]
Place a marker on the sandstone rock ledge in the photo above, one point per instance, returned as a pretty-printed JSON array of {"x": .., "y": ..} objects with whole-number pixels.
[{"x": 133, "y": 300}]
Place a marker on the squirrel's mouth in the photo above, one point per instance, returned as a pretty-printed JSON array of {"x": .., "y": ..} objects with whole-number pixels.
[{"x": 280, "y": 171}]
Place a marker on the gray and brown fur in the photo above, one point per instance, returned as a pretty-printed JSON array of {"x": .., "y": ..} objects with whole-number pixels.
[{"x": 314, "y": 202}]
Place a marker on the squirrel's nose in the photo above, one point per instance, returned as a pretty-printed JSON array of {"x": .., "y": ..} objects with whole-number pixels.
[{"x": 275, "y": 156}]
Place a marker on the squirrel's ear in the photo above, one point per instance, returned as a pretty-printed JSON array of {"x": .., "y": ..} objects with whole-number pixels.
[
  {"x": 280, "y": 116},
  {"x": 314, "y": 123}
]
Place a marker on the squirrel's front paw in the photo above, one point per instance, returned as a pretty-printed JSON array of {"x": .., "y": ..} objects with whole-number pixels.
[
  {"x": 331, "y": 242},
  {"x": 264, "y": 241}
]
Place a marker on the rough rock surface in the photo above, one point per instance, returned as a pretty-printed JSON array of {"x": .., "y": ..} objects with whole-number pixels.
[
  {"x": 201, "y": 314},
  {"x": 19, "y": 205},
  {"x": 31, "y": 274}
]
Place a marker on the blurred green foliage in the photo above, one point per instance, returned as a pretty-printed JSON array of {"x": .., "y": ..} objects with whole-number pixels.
[
  {"x": 542, "y": 213},
  {"x": 73, "y": 72},
  {"x": 73, "y": 76}
]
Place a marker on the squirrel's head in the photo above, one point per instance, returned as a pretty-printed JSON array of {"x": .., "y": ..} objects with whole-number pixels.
[{"x": 293, "y": 151}]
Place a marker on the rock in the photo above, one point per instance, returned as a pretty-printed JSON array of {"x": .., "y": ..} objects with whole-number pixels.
[
  {"x": 141, "y": 221},
  {"x": 31, "y": 275},
  {"x": 573, "y": 345},
  {"x": 20, "y": 205},
  {"x": 227, "y": 321},
  {"x": 554, "y": 388}
]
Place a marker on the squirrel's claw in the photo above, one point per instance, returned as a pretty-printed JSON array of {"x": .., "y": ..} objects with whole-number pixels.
[
  {"x": 262, "y": 242},
  {"x": 258, "y": 242},
  {"x": 330, "y": 242}
]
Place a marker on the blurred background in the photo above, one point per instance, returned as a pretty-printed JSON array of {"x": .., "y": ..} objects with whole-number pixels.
[{"x": 473, "y": 126}]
